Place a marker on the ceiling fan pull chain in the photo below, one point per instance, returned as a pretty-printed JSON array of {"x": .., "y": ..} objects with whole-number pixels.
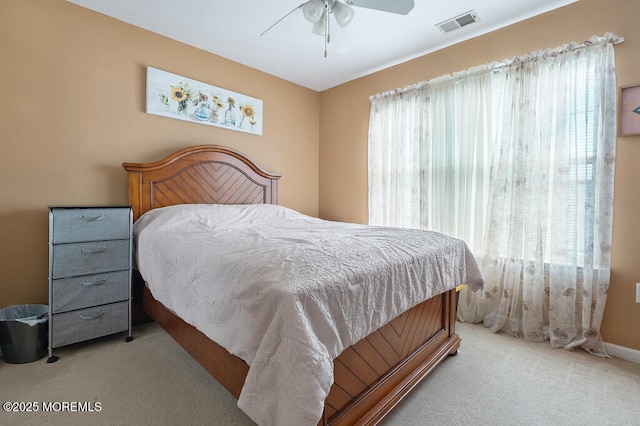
[
  {"x": 326, "y": 28},
  {"x": 325, "y": 47}
]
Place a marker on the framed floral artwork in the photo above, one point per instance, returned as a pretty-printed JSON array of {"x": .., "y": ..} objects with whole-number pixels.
[
  {"x": 174, "y": 96},
  {"x": 629, "y": 111}
]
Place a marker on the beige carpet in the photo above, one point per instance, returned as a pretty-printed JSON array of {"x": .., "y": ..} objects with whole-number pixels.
[{"x": 494, "y": 380}]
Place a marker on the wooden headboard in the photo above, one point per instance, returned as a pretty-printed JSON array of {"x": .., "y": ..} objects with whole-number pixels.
[{"x": 202, "y": 174}]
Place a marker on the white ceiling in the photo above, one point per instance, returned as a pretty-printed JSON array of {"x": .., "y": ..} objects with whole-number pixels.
[{"x": 232, "y": 29}]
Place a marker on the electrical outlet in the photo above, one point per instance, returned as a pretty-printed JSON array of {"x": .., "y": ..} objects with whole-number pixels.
[{"x": 637, "y": 292}]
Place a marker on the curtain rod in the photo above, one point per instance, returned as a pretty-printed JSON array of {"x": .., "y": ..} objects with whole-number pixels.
[{"x": 608, "y": 38}]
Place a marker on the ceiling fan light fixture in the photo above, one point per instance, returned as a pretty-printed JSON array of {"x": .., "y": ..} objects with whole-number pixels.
[
  {"x": 313, "y": 10},
  {"x": 319, "y": 28},
  {"x": 343, "y": 13}
]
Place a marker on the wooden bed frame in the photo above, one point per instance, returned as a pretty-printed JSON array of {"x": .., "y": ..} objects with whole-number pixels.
[{"x": 373, "y": 375}]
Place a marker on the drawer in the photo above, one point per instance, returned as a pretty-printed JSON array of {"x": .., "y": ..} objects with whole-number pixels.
[
  {"x": 70, "y": 260},
  {"x": 89, "y": 290},
  {"x": 85, "y": 324},
  {"x": 89, "y": 224}
]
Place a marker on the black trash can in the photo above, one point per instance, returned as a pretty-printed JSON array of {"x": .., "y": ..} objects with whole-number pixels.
[{"x": 23, "y": 333}]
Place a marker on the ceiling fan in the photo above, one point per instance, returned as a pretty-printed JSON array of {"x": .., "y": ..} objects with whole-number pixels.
[{"x": 320, "y": 13}]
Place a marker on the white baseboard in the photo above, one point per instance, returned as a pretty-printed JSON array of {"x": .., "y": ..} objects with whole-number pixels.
[{"x": 622, "y": 352}]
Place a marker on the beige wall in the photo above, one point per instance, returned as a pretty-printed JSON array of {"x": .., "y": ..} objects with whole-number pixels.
[
  {"x": 344, "y": 114},
  {"x": 73, "y": 111}
]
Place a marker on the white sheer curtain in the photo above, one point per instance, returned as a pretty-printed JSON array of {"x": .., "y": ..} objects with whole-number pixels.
[
  {"x": 516, "y": 158},
  {"x": 395, "y": 190},
  {"x": 407, "y": 170}
]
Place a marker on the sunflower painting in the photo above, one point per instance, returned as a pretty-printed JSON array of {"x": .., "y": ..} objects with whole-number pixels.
[
  {"x": 248, "y": 112},
  {"x": 173, "y": 96},
  {"x": 182, "y": 95}
]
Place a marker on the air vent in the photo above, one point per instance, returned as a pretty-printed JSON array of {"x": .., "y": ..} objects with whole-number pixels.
[{"x": 458, "y": 22}]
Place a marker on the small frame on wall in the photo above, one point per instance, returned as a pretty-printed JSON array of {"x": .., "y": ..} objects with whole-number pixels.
[
  {"x": 182, "y": 98},
  {"x": 629, "y": 110}
]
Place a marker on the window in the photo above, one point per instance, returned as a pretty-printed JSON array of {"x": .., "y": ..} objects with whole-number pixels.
[{"x": 517, "y": 160}]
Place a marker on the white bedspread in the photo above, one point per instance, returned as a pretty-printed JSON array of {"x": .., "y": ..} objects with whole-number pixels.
[{"x": 287, "y": 292}]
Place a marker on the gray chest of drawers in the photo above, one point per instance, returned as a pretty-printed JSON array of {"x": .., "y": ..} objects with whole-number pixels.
[{"x": 89, "y": 273}]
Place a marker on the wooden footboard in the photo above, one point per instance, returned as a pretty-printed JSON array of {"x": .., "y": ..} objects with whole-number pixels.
[
  {"x": 370, "y": 377},
  {"x": 375, "y": 374}
]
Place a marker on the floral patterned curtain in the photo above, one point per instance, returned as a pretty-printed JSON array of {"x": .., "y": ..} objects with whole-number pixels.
[{"x": 534, "y": 200}]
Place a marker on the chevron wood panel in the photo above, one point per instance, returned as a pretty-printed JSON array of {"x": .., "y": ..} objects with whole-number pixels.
[
  {"x": 207, "y": 183},
  {"x": 362, "y": 364}
]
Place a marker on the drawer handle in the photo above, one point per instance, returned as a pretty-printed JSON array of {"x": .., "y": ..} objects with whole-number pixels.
[
  {"x": 84, "y": 317},
  {"x": 93, "y": 251},
  {"x": 93, "y": 219},
  {"x": 92, "y": 283}
]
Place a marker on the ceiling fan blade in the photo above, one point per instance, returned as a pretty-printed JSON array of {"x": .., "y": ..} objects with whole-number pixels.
[
  {"x": 401, "y": 7},
  {"x": 295, "y": 11}
]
